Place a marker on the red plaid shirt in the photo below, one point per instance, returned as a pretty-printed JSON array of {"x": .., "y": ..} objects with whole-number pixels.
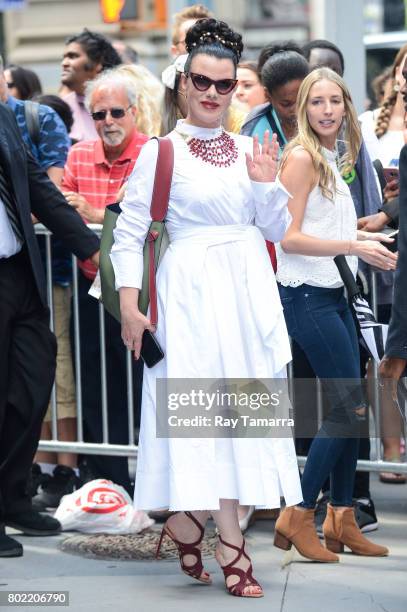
[{"x": 90, "y": 174}]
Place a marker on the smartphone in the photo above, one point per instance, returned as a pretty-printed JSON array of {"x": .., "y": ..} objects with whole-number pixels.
[
  {"x": 391, "y": 174},
  {"x": 392, "y": 246},
  {"x": 151, "y": 352}
]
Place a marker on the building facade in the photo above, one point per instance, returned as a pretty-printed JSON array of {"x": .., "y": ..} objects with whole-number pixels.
[{"x": 34, "y": 37}]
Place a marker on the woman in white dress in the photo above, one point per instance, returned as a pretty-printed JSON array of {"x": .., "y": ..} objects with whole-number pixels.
[{"x": 219, "y": 313}]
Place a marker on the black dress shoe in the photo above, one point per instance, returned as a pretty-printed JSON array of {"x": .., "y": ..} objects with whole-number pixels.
[
  {"x": 10, "y": 547},
  {"x": 33, "y": 523}
]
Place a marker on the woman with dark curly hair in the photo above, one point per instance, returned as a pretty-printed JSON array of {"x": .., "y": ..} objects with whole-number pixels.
[
  {"x": 219, "y": 315},
  {"x": 174, "y": 104}
]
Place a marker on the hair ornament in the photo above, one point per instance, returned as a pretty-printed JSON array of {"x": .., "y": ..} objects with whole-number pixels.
[
  {"x": 210, "y": 31},
  {"x": 169, "y": 75},
  {"x": 208, "y": 37}
]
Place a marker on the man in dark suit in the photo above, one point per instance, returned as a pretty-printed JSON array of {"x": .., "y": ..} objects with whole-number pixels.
[
  {"x": 395, "y": 359},
  {"x": 27, "y": 346}
]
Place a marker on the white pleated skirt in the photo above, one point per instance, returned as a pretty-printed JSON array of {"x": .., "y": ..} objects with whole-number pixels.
[{"x": 219, "y": 316}]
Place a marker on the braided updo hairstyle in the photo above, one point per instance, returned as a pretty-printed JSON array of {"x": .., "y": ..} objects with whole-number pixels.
[
  {"x": 214, "y": 38},
  {"x": 383, "y": 120}
]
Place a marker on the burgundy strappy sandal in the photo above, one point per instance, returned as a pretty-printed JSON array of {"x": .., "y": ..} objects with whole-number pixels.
[
  {"x": 196, "y": 570},
  {"x": 246, "y": 578}
]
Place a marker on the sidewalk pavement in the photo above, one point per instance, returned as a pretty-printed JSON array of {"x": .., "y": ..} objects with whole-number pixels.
[{"x": 357, "y": 584}]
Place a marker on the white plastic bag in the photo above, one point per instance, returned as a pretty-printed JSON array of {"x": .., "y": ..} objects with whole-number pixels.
[{"x": 101, "y": 506}]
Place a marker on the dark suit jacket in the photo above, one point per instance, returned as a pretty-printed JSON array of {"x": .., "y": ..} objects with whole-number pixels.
[
  {"x": 396, "y": 345},
  {"x": 35, "y": 193}
]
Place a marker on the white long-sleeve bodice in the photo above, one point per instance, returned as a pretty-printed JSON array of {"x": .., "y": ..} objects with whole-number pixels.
[{"x": 201, "y": 195}]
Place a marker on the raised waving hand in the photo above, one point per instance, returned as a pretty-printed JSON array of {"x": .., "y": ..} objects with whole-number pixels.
[{"x": 262, "y": 166}]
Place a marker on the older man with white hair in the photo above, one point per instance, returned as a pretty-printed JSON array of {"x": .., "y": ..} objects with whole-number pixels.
[{"x": 94, "y": 173}]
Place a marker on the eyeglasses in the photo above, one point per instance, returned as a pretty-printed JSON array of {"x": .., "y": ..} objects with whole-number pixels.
[
  {"x": 115, "y": 113},
  {"x": 203, "y": 83}
]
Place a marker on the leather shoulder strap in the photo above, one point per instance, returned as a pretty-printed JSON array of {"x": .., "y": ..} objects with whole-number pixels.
[
  {"x": 32, "y": 118},
  {"x": 378, "y": 166},
  {"x": 162, "y": 180}
]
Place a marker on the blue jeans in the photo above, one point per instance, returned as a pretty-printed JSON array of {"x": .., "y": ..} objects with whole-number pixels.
[{"x": 320, "y": 321}]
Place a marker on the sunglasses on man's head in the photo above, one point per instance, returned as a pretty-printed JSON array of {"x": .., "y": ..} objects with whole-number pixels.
[
  {"x": 115, "y": 113},
  {"x": 203, "y": 83}
]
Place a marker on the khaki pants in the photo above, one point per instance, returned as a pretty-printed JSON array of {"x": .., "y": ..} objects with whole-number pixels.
[{"x": 65, "y": 382}]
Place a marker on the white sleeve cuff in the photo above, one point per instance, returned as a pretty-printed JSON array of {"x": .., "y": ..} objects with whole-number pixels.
[
  {"x": 127, "y": 275},
  {"x": 263, "y": 191}
]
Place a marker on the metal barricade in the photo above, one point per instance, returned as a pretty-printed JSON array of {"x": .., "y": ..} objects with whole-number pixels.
[
  {"x": 130, "y": 449},
  {"x": 80, "y": 446}
]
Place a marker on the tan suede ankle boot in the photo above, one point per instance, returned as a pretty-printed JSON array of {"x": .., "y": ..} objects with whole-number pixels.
[
  {"x": 296, "y": 526},
  {"x": 340, "y": 528}
]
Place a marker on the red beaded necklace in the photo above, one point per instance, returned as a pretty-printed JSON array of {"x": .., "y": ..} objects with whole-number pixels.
[{"x": 220, "y": 151}]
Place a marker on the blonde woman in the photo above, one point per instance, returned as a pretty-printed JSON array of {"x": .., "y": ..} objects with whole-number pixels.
[
  {"x": 150, "y": 93},
  {"x": 317, "y": 314}
]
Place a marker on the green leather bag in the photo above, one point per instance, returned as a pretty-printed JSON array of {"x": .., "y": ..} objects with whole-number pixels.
[{"x": 155, "y": 244}]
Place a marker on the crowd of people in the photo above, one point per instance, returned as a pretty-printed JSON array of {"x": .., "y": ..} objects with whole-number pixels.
[{"x": 274, "y": 175}]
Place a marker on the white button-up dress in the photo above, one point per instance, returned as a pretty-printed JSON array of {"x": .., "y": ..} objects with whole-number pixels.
[{"x": 219, "y": 316}]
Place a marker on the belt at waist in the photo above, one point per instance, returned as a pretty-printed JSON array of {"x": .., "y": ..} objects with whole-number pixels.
[
  {"x": 213, "y": 234},
  {"x": 261, "y": 284}
]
